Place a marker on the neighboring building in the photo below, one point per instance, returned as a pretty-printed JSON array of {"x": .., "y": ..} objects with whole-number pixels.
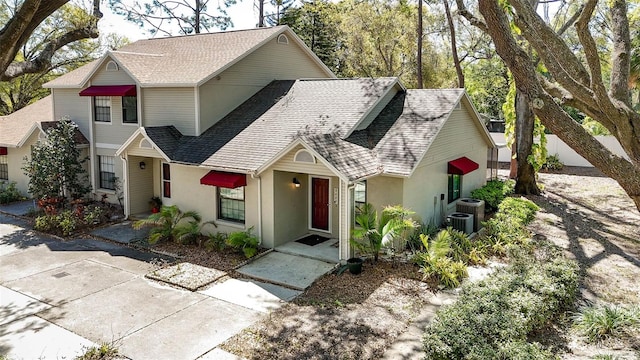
[{"x": 250, "y": 129}]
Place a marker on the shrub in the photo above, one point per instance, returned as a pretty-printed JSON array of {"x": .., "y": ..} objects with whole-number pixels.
[
  {"x": 492, "y": 318},
  {"x": 167, "y": 224},
  {"x": 508, "y": 226},
  {"x": 436, "y": 265},
  {"x": 553, "y": 163},
  {"x": 217, "y": 241},
  {"x": 9, "y": 193},
  {"x": 494, "y": 192},
  {"x": 244, "y": 241},
  {"x": 413, "y": 241},
  {"x": 64, "y": 223},
  {"x": 602, "y": 322}
]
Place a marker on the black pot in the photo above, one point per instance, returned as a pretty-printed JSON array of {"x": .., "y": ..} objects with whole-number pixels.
[{"x": 355, "y": 265}]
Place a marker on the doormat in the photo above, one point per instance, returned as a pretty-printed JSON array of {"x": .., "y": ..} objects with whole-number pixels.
[{"x": 312, "y": 240}]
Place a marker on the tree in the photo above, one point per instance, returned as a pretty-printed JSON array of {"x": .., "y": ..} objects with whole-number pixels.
[
  {"x": 25, "y": 17},
  {"x": 575, "y": 79},
  {"x": 280, "y": 8},
  {"x": 56, "y": 169},
  {"x": 165, "y": 17}
]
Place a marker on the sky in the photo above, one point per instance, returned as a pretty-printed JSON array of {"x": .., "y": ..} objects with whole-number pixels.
[{"x": 243, "y": 15}]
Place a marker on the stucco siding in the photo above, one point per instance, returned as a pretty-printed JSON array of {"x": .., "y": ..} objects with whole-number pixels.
[
  {"x": 15, "y": 162},
  {"x": 170, "y": 106},
  {"x": 272, "y": 61},
  {"x": 140, "y": 184},
  {"x": 188, "y": 194},
  {"x": 67, "y": 103},
  {"x": 291, "y": 207},
  {"x": 383, "y": 191}
]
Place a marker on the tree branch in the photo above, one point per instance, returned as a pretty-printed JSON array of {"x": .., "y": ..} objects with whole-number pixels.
[{"x": 472, "y": 19}]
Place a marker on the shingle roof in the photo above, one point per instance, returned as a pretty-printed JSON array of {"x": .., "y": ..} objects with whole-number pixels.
[
  {"x": 15, "y": 127},
  {"x": 320, "y": 113},
  {"x": 181, "y": 60}
]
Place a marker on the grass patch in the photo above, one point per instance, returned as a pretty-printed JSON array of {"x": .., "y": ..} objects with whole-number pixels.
[
  {"x": 104, "y": 351},
  {"x": 598, "y": 323}
]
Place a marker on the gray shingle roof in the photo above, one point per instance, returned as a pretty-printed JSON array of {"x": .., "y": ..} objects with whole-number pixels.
[
  {"x": 181, "y": 60},
  {"x": 321, "y": 113}
]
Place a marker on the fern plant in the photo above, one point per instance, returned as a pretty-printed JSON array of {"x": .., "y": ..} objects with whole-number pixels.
[{"x": 244, "y": 241}]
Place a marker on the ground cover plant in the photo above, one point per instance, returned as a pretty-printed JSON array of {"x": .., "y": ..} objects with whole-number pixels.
[{"x": 494, "y": 192}]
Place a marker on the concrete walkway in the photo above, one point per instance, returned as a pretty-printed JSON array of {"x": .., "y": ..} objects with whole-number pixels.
[{"x": 57, "y": 297}]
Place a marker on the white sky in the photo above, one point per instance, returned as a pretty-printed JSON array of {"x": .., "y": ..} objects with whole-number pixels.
[{"x": 243, "y": 15}]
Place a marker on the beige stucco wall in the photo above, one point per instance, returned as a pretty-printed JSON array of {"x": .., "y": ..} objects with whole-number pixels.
[
  {"x": 140, "y": 186},
  {"x": 383, "y": 191},
  {"x": 15, "y": 159},
  {"x": 291, "y": 207},
  {"x": 273, "y": 61}
]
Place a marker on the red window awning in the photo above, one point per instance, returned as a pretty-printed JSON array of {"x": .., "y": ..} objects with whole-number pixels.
[
  {"x": 461, "y": 166},
  {"x": 3, "y": 150},
  {"x": 109, "y": 90},
  {"x": 224, "y": 179}
]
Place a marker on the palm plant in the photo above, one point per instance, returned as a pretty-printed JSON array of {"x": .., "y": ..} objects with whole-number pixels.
[
  {"x": 374, "y": 231},
  {"x": 436, "y": 265},
  {"x": 190, "y": 232},
  {"x": 166, "y": 223}
]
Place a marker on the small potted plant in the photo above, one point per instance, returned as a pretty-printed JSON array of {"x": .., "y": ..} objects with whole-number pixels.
[
  {"x": 355, "y": 265},
  {"x": 156, "y": 204}
]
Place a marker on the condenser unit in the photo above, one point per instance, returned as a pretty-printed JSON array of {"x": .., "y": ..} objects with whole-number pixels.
[
  {"x": 461, "y": 222},
  {"x": 474, "y": 207}
]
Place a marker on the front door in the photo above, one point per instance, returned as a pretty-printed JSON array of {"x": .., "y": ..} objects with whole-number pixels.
[{"x": 320, "y": 203}]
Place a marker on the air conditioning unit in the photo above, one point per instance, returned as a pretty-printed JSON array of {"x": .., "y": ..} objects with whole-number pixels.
[
  {"x": 472, "y": 206},
  {"x": 461, "y": 222}
]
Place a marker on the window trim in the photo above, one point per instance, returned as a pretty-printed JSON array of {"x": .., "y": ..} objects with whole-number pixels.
[
  {"x": 103, "y": 181},
  {"x": 166, "y": 180},
  {"x": 451, "y": 191},
  {"x": 4, "y": 163},
  {"x": 95, "y": 108},
  {"x": 219, "y": 199},
  {"x": 135, "y": 101}
]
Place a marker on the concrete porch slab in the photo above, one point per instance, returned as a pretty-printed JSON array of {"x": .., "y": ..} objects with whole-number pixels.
[
  {"x": 325, "y": 251},
  {"x": 296, "y": 272},
  {"x": 250, "y": 294},
  {"x": 205, "y": 325}
]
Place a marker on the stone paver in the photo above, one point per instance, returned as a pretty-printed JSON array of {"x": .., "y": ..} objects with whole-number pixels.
[{"x": 187, "y": 275}]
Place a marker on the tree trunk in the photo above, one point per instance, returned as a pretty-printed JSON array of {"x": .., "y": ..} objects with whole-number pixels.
[
  {"x": 454, "y": 48},
  {"x": 419, "y": 65},
  {"x": 525, "y": 121},
  {"x": 261, "y": 13}
]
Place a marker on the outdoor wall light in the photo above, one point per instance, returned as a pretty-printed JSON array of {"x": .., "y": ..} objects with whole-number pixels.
[
  {"x": 142, "y": 165},
  {"x": 296, "y": 182}
]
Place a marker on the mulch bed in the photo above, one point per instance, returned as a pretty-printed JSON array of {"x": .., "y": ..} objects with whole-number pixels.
[{"x": 225, "y": 260}]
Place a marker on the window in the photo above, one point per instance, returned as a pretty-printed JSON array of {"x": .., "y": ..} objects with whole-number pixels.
[
  {"x": 455, "y": 184},
  {"x": 129, "y": 110},
  {"x": 102, "y": 108},
  {"x": 360, "y": 195},
  {"x": 107, "y": 172},
  {"x": 166, "y": 180},
  {"x": 4, "y": 167},
  {"x": 231, "y": 204}
]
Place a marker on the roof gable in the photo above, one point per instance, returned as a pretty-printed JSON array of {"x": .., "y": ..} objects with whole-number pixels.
[{"x": 187, "y": 60}]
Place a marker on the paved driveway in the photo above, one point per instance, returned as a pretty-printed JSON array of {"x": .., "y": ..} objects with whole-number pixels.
[{"x": 57, "y": 297}]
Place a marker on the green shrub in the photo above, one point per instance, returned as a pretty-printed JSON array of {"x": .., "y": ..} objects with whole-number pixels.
[
  {"x": 9, "y": 193},
  {"x": 217, "y": 241},
  {"x": 553, "y": 163},
  {"x": 493, "y": 192},
  {"x": 244, "y": 241},
  {"x": 413, "y": 241},
  {"x": 64, "y": 223},
  {"x": 602, "y": 322},
  {"x": 436, "y": 265},
  {"x": 520, "y": 208},
  {"x": 507, "y": 227},
  {"x": 492, "y": 318}
]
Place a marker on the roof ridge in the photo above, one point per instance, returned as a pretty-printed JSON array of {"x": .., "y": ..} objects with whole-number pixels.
[
  {"x": 134, "y": 53},
  {"x": 212, "y": 33}
]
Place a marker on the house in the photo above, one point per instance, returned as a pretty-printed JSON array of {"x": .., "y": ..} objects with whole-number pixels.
[{"x": 251, "y": 130}]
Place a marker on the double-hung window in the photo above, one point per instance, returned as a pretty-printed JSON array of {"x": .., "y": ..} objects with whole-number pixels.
[
  {"x": 166, "y": 180},
  {"x": 4, "y": 167},
  {"x": 107, "y": 172},
  {"x": 360, "y": 195},
  {"x": 129, "y": 110},
  {"x": 102, "y": 108},
  {"x": 231, "y": 204}
]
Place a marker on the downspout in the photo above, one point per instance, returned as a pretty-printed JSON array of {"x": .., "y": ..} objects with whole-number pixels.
[
  {"x": 254, "y": 176},
  {"x": 350, "y": 187},
  {"x": 125, "y": 185}
]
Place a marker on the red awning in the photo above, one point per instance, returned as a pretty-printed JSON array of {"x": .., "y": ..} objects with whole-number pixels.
[
  {"x": 461, "y": 166},
  {"x": 109, "y": 90},
  {"x": 3, "y": 150},
  {"x": 224, "y": 179}
]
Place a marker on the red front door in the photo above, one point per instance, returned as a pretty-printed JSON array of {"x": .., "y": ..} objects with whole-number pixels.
[{"x": 320, "y": 203}]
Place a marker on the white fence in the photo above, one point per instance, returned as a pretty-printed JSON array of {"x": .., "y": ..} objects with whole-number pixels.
[{"x": 565, "y": 153}]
